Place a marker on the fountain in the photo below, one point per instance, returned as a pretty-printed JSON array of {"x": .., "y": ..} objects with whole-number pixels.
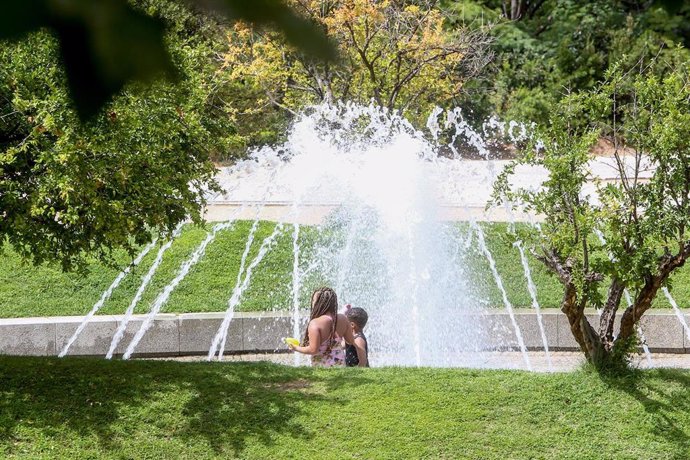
[
  {"x": 676, "y": 311},
  {"x": 140, "y": 292},
  {"x": 504, "y": 296},
  {"x": 164, "y": 295},
  {"x": 535, "y": 303},
  {"x": 105, "y": 296},
  {"x": 218, "y": 344},
  {"x": 381, "y": 194}
]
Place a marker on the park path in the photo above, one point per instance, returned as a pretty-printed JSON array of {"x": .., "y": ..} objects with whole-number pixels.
[{"x": 562, "y": 361}]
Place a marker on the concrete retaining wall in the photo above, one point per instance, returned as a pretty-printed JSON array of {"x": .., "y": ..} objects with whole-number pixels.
[
  {"x": 170, "y": 335},
  {"x": 315, "y": 213},
  {"x": 661, "y": 330},
  {"x": 192, "y": 333}
]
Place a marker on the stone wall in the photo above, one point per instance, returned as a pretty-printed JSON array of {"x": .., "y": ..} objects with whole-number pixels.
[{"x": 192, "y": 333}]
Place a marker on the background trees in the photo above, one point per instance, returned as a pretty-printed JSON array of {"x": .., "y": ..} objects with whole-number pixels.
[
  {"x": 519, "y": 58},
  {"x": 401, "y": 55},
  {"x": 547, "y": 49}
]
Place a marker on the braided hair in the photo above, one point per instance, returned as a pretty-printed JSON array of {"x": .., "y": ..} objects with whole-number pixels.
[{"x": 324, "y": 302}]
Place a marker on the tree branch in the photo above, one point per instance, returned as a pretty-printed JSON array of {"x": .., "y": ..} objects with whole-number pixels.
[{"x": 652, "y": 284}]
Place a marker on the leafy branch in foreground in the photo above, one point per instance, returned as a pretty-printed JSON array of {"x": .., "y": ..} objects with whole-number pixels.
[
  {"x": 119, "y": 169},
  {"x": 105, "y": 44}
]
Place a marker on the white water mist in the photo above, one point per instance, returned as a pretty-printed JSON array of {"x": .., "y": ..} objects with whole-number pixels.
[
  {"x": 167, "y": 291},
  {"x": 105, "y": 296}
]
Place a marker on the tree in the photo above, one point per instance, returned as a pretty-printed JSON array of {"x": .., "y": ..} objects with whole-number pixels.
[
  {"x": 70, "y": 189},
  {"x": 645, "y": 222},
  {"x": 394, "y": 52}
]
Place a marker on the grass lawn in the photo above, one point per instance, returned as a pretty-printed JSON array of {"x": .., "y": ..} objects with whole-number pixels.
[
  {"x": 87, "y": 408},
  {"x": 26, "y": 290}
]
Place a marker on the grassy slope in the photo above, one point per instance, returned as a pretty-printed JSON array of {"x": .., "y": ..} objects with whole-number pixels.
[
  {"x": 82, "y": 408},
  {"x": 37, "y": 291}
]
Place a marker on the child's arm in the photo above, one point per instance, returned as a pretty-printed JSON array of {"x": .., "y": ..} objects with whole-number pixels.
[
  {"x": 360, "y": 346},
  {"x": 314, "y": 341},
  {"x": 349, "y": 336}
]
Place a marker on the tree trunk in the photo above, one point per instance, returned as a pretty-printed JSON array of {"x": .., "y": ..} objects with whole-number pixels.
[
  {"x": 652, "y": 284},
  {"x": 588, "y": 339},
  {"x": 515, "y": 9},
  {"x": 582, "y": 331},
  {"x": 608, "y": 314},
  {"x": 600, "y": 348}
]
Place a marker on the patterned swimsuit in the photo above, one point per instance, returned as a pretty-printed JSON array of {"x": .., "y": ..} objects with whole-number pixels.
[{"x": 331, "y": 352}]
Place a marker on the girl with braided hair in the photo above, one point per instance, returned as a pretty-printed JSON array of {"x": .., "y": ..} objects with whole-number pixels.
[{"x": 326, "y": 331}]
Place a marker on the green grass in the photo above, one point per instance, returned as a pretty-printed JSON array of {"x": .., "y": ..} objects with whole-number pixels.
[
  {"x": 26, "y": 290},
  {"x": 84, "y": 408}
]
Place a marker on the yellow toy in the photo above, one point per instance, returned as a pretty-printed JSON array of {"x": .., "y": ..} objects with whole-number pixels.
[{"x": 291, "y": 341}]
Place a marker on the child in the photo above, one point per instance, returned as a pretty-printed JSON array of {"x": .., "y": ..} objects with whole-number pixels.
[
  {"x": 358, "y": 353},
  {"x": 326, "y": 329}
]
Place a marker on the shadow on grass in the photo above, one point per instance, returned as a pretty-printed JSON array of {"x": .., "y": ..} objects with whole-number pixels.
[
  {"x": 224, "y": 404},
  {"x": 665, "y": 396}
]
